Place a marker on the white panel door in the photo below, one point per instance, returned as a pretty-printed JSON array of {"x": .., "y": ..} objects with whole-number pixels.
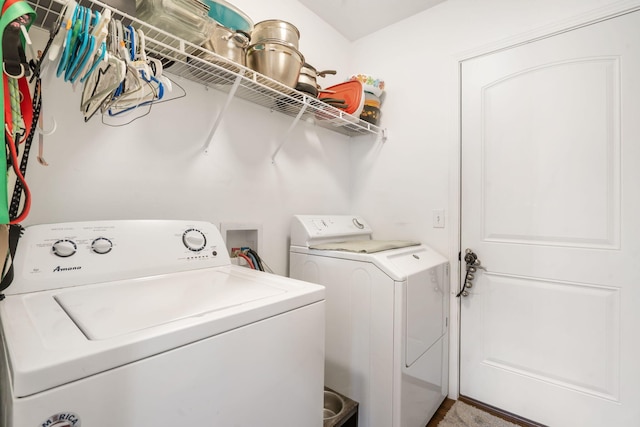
[{"x": 550, "y": 330}]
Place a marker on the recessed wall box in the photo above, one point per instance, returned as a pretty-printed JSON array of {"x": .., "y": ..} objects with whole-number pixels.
[{"x": 241, "y": 235}]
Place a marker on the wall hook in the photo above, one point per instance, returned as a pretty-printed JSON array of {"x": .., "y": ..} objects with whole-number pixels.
[{"x": 47, "y": 132}]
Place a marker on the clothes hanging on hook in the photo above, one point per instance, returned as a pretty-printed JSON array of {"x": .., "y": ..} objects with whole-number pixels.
[
  {"x": 16, "y": 17},
  {"x": 13, "y": 15},
  {"x": 14, "y": 58}
]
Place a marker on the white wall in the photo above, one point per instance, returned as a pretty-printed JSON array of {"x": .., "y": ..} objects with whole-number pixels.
[
  {"x": 397, "y": 185},
  {"x": 156, "y": 168}
]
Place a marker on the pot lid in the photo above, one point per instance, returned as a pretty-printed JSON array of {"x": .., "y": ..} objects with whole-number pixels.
[{"x": 352, "y": 92}]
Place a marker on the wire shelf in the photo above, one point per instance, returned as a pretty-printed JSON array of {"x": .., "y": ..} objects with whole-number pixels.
[{"x": 197, "y": 64}]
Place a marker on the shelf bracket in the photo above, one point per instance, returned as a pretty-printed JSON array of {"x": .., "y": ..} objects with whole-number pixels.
[
  {"x": 293, "y": 125},
  {"x": 384, "y": 135},
  {"x": 230, "y": 96}
]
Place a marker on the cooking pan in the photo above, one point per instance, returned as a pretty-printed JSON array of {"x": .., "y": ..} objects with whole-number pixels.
[{"x": 307, "y": 80}]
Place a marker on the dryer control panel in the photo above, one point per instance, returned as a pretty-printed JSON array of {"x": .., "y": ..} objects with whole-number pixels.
[
  {"x": 52, "y": 256},
  {"x": 308, "y": 230}
]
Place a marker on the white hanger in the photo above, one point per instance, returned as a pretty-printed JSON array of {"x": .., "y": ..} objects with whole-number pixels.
[
  {"x": 101, "y": 84},
  {"x": 65, "y": 16}
]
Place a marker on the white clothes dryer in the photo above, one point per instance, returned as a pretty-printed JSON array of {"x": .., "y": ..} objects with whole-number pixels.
[
  {"x": 386, "y": 321},
  {"x": 147, "y": 323}
]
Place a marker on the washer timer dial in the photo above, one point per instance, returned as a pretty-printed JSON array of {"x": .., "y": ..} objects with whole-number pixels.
[
  {"x": 194, "y": 240},
  {"x": 64, "y": 248}
]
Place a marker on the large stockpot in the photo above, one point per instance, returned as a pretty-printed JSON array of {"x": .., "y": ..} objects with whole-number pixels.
[
  {"x": 275, "y": 29},
  {"x": 277, "y": 60},
  {"x": 227, "y": 43}
]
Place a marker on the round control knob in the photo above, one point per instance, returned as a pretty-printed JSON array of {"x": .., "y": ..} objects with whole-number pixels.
[
  {"x": 194, "y": 240},
  {"x": 64, "y": 248},
  {"x": 101, "y": 245},
  {"x": 357, "y": 223}
]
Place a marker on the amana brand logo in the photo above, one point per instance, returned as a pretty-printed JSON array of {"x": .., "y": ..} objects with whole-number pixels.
[
  {"x": 58, "y": 268},
  {"x": 63, "y": 419}
]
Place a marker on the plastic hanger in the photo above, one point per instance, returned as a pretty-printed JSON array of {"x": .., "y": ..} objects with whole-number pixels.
[
  {"x": 149, "y": 73},
  {"x": 114, "y": 40},
  {"x": 101, "y": 84},
  {"x": 84, "y": 61},
  {"x": 99, "y": 57},
  {"x": 121, "y": 52},
  {"x": 130, "y": 36},
  {"x": 159, "y": 94},
  {"x": 152, "y": 88},
  {"x": 87, "y": 59},
  {"x": 60, "y": 30},
  {"x": 100, "y": 33},
  {"x": 130, "y": 88},
  {"x": 131, "y": 93},
  {"x": 83, "y": 41},
  {"x": 68, "y": 40},
  {"x": 133, "y": 86},
  {"x": 126, "y": 79},
  {"x": 127, "y": 102},
  {"x": 139, "y": 56},
  {"x": 156, "y": 69}
]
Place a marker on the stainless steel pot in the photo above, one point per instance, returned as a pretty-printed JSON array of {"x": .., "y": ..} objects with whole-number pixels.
[
  {"x": 275, "y": 29},
  {"x": 227, "y": 43},
  {"x": 307, "y": 81},
  {"x": 277, "y": 60}
]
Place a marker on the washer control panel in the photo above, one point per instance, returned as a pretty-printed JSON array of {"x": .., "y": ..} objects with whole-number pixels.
[{"x": 54, "y": 256}]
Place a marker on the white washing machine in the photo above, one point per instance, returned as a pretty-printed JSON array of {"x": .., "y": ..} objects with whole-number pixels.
[
  {"x": 386, "y": 321},
  {"x": 147, "y": 324}
]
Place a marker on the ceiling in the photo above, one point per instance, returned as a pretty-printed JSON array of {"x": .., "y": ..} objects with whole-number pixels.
[{"x": 357, "y": 18}]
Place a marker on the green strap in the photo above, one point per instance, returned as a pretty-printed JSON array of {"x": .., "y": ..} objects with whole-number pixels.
[
  {"x": 12, "y": 13},
  {"x": 17, "y": 124}
]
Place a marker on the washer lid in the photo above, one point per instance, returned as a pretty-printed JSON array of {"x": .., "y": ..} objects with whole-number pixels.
[
  {"x": 58, "y": 336},
  {"x": 111, "y": 311}
]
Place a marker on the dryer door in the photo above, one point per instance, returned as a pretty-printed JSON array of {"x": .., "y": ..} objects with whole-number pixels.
[{"x": 425, "y": 311}]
